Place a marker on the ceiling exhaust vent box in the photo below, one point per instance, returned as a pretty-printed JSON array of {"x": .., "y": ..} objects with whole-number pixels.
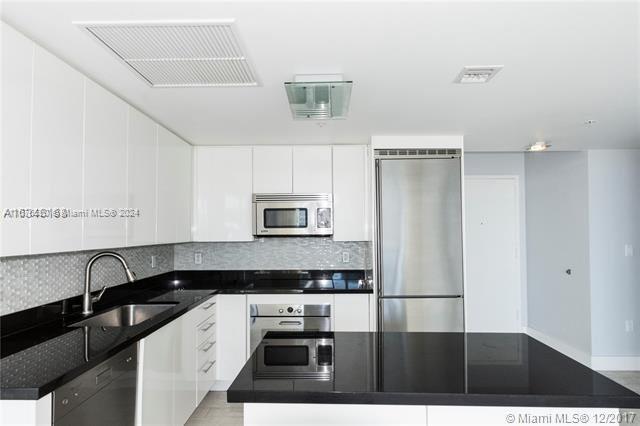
[
  {"x": 477, "y": 74},
  {"x": 178, "y": 54},
  {"x": 318, "y": 100}
]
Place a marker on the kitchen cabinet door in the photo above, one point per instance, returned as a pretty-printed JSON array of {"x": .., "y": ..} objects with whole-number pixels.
[
  {"x": 351, "y": 219},
  {"x": 105, "y": 167},
  {"x": 56, "y": 152},
  {"x": 231, "y": 336},
  {"x": 272, "y": 169},
  {"x": 142, "y": 154},
  {"x": 156, "y": 381},
  {"x": 185, "y": 367},
  {"x": 17, "y": 57},
  {"x": 173, "y": 189},
  {"x": 222, "y": 194},
  {"x": 351, "y": 312},
  {"x": 312, "y": 169}
]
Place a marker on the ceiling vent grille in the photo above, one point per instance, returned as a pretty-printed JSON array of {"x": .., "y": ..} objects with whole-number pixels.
[
  {"x": 178, "y": 54},
  {"x": 417, "y": 153}
]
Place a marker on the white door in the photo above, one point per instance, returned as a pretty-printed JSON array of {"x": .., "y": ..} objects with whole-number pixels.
[{"x": 493, "y": 294}]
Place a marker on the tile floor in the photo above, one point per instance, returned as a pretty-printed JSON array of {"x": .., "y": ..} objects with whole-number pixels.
[
  {"x": 630, "y": 379},
  {"x": 216, "y": 411}
]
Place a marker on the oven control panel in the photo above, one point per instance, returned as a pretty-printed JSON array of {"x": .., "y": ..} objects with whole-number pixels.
[{"x": 267, "y": 310}]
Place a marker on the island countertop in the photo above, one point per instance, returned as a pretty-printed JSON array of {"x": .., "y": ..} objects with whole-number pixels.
[{"x": 473, "y": 369}]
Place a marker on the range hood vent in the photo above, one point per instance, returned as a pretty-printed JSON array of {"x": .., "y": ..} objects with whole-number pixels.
[
  {"x": 178, "y": 54},
  {"x": 311, "y": 98}
]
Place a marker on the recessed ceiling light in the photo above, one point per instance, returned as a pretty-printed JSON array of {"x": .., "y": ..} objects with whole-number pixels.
[
  {"x": 590, "y": 122},
  {"x": 477, "y": 74},
  {"x": 538, "y": 146}
]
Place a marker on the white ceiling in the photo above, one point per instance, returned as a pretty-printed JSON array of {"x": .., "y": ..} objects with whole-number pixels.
[{"x": 564, "y": 63}]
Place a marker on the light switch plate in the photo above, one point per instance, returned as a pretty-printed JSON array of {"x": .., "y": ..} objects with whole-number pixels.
[
  {"x": 197, "y": 258},
  {"x": 345, "y": 257},
  {"x": 154, "y": 261}
]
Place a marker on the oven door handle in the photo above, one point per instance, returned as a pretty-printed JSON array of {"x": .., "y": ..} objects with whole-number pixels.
[{"x": 290, "y": 323}]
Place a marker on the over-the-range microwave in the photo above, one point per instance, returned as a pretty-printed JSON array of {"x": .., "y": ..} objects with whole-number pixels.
[{"x": 292, "y": 214}]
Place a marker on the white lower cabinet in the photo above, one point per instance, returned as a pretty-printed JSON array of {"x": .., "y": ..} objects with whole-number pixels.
[
  {"x": 351, "y": 312},
  {"x": 231, "y": 346},
  {"x": 171, "y": 382}
]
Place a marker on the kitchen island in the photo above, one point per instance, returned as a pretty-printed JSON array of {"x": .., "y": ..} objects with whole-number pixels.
[{"x": 383, "y": 378}]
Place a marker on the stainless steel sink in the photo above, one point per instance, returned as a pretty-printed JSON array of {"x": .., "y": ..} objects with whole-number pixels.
[{"x": 125, "y": 315}]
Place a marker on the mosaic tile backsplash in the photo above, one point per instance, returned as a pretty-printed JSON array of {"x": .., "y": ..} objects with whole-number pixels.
[
  {"x": 29, "y": 281},
  {"x": 274, "y": 253}
]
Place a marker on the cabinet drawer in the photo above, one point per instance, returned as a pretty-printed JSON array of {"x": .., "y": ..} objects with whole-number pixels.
[
  {"x": 206, "y": 373},
  {"x": 205, "y": 310},
  {"x": 206, "y": 330},
  {"x": 207, "y": 349}
]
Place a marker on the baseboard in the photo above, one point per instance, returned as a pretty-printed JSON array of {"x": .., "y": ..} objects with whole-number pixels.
[
  {"x": 221, "y": 385},
  {"x": 616, "y": 363},
  {"x": 568, "y": 350}
]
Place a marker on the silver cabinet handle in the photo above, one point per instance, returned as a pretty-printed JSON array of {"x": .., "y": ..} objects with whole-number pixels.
[
  {"x": 290, "y": 323},
  {"x": 209, "y": 346},
  {"x": 206, "y": 369},
  {"x": 207, "y": 326},
  {"x": 208, "y": 306}
]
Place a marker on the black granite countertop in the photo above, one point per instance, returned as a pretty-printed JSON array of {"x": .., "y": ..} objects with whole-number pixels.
[
  {"x": 477, "y": 369},
  {"x": 40, "y": 351}
]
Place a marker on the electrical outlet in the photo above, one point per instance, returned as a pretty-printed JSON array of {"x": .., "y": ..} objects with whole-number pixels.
[
  {"x": 628, "y": 326},
  {"x": 154, "y": 261},
  {"x": 197, "y": 258},
  {"x": 345, "y": 257},
  {"x": 628, "y": 250}
]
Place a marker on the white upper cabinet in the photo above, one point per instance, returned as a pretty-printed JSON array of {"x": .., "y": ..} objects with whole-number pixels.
[
  {"x": 105, "y": 167},
  {"x": 312, "y": 169},
  {"x": 173, "y": 189},
  {"x": 142, "y": 156},
  {"x": 222, "y": 194},
  {"x": 351, "y": 193},
  {"x": 56, "y": 156},
  {"x": 272, "y": 169},
  {"x": 17, "y": 57}
]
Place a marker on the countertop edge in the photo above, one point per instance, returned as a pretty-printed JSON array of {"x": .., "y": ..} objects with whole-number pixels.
[
  {"x": 32, "y": 394},
  {"x": 442, "y": 399}
]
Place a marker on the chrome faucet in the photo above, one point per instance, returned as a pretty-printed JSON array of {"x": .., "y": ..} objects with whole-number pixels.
[{"x": 87, "y": 299}]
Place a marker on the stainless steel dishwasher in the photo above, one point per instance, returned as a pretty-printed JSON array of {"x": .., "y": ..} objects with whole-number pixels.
[{"x": 104, "y": 395}]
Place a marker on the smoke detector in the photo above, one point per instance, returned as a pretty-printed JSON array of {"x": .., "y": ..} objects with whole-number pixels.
[
  {"x": 538, "y": 146},
  {"x": 477, "y": 74},
  {"x": 178, "y": 53},
  {"x": 319, "y": 97}
]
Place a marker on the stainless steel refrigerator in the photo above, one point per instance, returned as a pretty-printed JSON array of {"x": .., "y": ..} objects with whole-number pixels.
[{"x": 419, "y": 240}]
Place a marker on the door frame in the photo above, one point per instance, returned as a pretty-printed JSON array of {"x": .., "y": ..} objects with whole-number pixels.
[{"x": 519, "y": 252}]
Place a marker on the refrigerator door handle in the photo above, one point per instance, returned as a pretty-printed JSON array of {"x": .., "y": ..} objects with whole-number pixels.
[
  {"x": 379, "y": 267},
  {"x": 378, "y": 223}
]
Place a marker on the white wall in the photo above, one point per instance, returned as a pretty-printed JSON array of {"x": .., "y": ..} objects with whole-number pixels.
[
  {"x": 506, "y": 164},
  {"x": 614, "y": 213},
  {"x": 557, "y": 240}
]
